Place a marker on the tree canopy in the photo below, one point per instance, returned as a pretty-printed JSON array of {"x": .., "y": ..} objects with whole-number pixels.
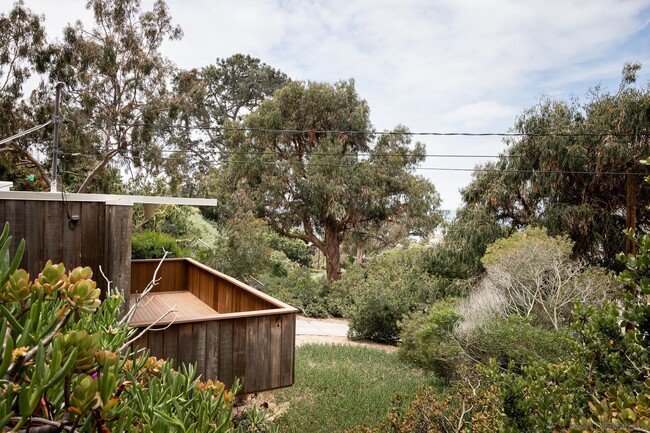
[
  {"x": 301, "y": 165},
  {"x": 575, "y": 169}
]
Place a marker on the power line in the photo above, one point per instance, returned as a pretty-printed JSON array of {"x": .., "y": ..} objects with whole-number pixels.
[
  {"x": 25, "y": 132},
  {"x": 483, "y": 170},
  {"x": 361, "y": 154},
  {"x": 371, "y": 132}
]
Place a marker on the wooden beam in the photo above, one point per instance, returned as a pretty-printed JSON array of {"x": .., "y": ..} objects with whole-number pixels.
[{"x": 120, "y": 200}]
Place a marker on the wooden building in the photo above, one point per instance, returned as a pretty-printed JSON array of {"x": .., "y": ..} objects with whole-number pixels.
[{"x": 228, "y": 329}]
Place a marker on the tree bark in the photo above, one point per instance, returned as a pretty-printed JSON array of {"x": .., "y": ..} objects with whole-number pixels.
[{"x": 332, "y": 252}]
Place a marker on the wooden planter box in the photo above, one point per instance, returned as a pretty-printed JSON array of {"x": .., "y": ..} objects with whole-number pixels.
[{"x": 226, "y": 328}]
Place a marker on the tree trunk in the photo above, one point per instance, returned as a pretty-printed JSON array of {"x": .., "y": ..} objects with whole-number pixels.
[
  {"x": 631, "y": 188},
  {"x": 332, "y": 252}
]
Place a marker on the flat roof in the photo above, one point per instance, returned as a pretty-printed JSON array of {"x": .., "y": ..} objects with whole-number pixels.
[{"x": 111, "y": 199}]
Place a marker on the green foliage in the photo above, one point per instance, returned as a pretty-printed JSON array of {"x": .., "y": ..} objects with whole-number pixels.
[
  {"x": 296, "y": 250},
  {"x": 394, "y": 284},
  {"x": 432, "y": 341},
  {"x": 427, "y": 338},
  {"x": 338, "y": 387},
  {"x": 533, "y": 276},
  {"x": 458, "y": 256},
  {"x": 152, "y": 245},
  {"x": 211, "y": 97},
  {"x": 333, "y": 189},
  {"x": 597, "y": 382},
  {"x": 301, "y": 289},
  {"x": 561, "y": 181},
  {"x": 240, "y": 250}
]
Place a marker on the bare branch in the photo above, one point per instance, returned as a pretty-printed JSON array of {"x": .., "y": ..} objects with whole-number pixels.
[{"x": 154, "y": 281}]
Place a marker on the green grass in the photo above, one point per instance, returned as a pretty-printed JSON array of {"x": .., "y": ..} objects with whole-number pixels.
[{"x": 339, "y": 387}]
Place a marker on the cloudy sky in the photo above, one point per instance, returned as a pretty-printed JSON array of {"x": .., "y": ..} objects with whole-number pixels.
[{"x": 452, "y": 65}]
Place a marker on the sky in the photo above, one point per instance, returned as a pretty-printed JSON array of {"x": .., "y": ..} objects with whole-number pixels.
[{"x": 431, "y": 65}]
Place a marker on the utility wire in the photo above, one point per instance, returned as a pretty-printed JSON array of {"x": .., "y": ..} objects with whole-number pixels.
[
  {"x": 23, "y": 133},
  {"x": 368, "y": 132},
  {"x": 486, "y": 170}
]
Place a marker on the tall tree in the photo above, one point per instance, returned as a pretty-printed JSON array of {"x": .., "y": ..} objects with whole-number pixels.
[
  {"x": 116, "y": 86},
  {"x": 575, "y": 170},
  {"x": 22, "y": 38},
  {"x": 206, "y": 100},
  {"x": 321, "y": 184}
]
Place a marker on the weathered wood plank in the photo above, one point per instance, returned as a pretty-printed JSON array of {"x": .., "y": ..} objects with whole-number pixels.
[
  {"x": 263, "y": 352},
  {"x": 71, "y": 235},
  {"x": 252, "y": 370},
  {"x": 185, "y": 344},
  {"x": 157, "y": 343},
  {"x": 34, "y": 259},
  {"x": 171, "y": 345},
  {"x": 199, "y": 331},
  {"x": 118, "y": 247},
  {"x": 53, "y": 224},
  {"x": 212, "y": 341},
  {"x": 239, "y": 366},
  {"x": 288, "y": 344},
  {"x": 275, "y": 351},
  {"x": 226, "y": 331},
  {"x": 15, "y": 215}
]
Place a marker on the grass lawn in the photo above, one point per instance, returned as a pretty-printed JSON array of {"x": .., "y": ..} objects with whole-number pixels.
[{"x": 339, "y": 387}]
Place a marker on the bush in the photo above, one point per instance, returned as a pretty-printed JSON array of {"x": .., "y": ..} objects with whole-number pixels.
[
  {"x": 433, "y": 341},
  {"x": 394, "y": 284},
  {"x": 427, "y": 338},
  {"x": 152, "y": 245},
  {"x": 301, "y": 289},
  {"x": 532, "y": 275},
  {"x": 600, "y": 385}
]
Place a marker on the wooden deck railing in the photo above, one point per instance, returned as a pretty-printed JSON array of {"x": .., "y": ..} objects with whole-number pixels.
[{"x": 251, "y": 335}]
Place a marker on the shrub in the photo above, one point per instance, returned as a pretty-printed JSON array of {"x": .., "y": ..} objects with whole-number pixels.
[
  {"x": 301, "y": 289},
  {"x": 241, "y": 250},
  {"x": 427, "y": 338},
  {"x": 433, "y": 341},
  {"x": 295, "y": 250},
  {"x": 394, "y": 284},
  {"x": 152, "y": 245},
  {"x": 532, "y": 275}
]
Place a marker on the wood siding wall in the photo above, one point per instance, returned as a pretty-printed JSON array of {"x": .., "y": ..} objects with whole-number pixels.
[
  {"x": 101, "y": 237},
  {"x": 257, "y": 350},
  {"x": 220, "y": 292},
  {"x": 252, "y": 338}
]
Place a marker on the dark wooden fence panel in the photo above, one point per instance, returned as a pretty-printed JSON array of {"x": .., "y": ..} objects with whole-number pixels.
[
  {"x": 101, "y": 237},
  {"x": 257, "y": 350}
]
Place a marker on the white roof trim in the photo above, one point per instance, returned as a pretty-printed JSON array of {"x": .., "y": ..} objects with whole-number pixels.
[{"x": 122, "y": 200}]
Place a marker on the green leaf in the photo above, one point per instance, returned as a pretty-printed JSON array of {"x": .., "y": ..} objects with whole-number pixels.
[
  {"x": 10, "y": 318},
  {"x": 63, "y": 370}
]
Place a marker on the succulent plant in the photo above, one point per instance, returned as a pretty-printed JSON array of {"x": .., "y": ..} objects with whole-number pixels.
[{"x": 17, "y": 288}]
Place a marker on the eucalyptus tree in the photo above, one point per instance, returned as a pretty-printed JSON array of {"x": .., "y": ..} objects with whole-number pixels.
[
  {"x": 306, "y": 163},
  {"x": 22, "y": 39},
  {"x": 116, "y": 86},
  {"x": 575, "y": 169}
]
